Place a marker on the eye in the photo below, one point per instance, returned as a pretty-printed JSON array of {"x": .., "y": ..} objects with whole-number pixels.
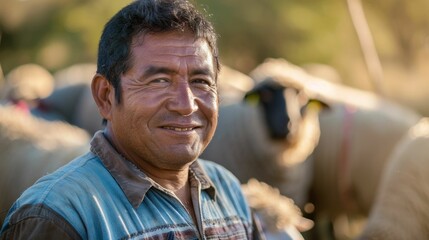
[
  {"x": 159, "y": 81},
  {"x": 202, "y": 81}
]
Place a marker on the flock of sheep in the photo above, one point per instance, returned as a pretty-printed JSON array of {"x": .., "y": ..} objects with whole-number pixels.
[{"x": 321, "y": 149}]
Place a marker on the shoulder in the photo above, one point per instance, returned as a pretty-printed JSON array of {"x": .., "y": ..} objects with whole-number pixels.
[
  {"x": 67, "y": 186},
  {"x": 40, "y": 209},
  {"x": 74, "y": 192},
  {"x": 71, "y": 177},
  {"x": 38, "y": 221}
]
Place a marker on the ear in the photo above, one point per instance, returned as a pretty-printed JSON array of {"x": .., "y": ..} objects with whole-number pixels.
[
  {"x": 103, "y": 94},
  {"x": 319, "y": 104}
]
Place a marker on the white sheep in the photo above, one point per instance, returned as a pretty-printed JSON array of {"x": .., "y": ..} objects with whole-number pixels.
[
  {"x": 401, "y": 210},
  {"x": 31, "y": 148},
  {"x": 232, "y": 85},
  {"x": 357, "y": 136},
  {"x": 280, "y": 218},
  {"x": 80, "y": 73},
  {"x": 243, "y": 145},
  {"x": 27, "y": 83}
]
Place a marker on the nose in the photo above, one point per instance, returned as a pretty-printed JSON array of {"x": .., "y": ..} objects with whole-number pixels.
[{"x": 183, "y": 100}]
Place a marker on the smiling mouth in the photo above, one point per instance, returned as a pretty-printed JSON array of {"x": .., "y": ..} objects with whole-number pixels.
[{"x": 178, "y": 129}]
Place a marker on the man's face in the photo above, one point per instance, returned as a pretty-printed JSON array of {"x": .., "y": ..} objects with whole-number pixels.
[{"x": 169, "y": 106}]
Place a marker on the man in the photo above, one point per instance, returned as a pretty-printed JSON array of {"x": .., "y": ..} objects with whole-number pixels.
[{"x": 156, "y": 89}]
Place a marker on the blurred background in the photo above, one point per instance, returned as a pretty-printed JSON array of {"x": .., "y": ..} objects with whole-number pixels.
[{"x": 59, "y": 33}]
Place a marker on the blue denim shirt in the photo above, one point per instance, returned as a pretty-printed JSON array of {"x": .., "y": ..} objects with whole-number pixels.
[{"x": 101, "y": 195}]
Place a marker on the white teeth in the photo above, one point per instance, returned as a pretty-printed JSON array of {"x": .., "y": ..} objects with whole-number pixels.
[{"x": 179, "y": 129}]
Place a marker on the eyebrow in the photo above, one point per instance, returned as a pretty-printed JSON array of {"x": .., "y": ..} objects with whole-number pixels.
[
  {"x": 202, "y": 71},
  {"x": 152, "y": 70}
]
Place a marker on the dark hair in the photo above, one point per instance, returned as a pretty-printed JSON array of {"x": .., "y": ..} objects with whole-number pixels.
[{"x": 142, "y": 17}]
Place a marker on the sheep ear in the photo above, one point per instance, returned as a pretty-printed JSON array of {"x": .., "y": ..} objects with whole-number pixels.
[
  {"x": 103, "y": 94},
  {"x": 319, "y": 104}
]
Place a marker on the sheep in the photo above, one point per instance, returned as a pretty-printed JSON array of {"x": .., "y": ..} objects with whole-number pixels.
[
  {"x": 280, "y": 218},
  {"x": 72, "y": 103},
  {"x": 232, "y": 85},
  {"x": 27, "y": 83},
  {"x": 358, "y": 134},
  {"x": 71, "y": 100},
  {"x": 243, "y": 144},
  {"x": 80, "y": 73},
  {"x": 32, "y": 147},
  {"x": 401, "y": 207}
]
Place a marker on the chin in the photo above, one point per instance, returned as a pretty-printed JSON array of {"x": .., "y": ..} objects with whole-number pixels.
[{"x": 180, "y": 159}]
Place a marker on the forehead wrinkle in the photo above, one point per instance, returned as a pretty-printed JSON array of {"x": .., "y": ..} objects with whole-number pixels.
[
  {"x": 193, "y": 48},
  {"x": 151, "y": 70},
  {"x": 173, "y": 52},
  {"x": 198, "y": 70},
  {"x": 179, "y": 51}
]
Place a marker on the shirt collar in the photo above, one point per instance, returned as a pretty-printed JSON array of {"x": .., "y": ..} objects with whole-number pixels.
[{"x": 133, "y": 182}]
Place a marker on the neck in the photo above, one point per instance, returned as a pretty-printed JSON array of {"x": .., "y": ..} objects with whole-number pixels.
[{"x": 173, "y": 180}]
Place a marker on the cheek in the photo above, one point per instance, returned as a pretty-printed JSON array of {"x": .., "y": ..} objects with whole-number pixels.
[
  {"x": 210, "y": 107},
  {"x": 211, "y": 111},
  {"x": 140, "y": 106}
]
